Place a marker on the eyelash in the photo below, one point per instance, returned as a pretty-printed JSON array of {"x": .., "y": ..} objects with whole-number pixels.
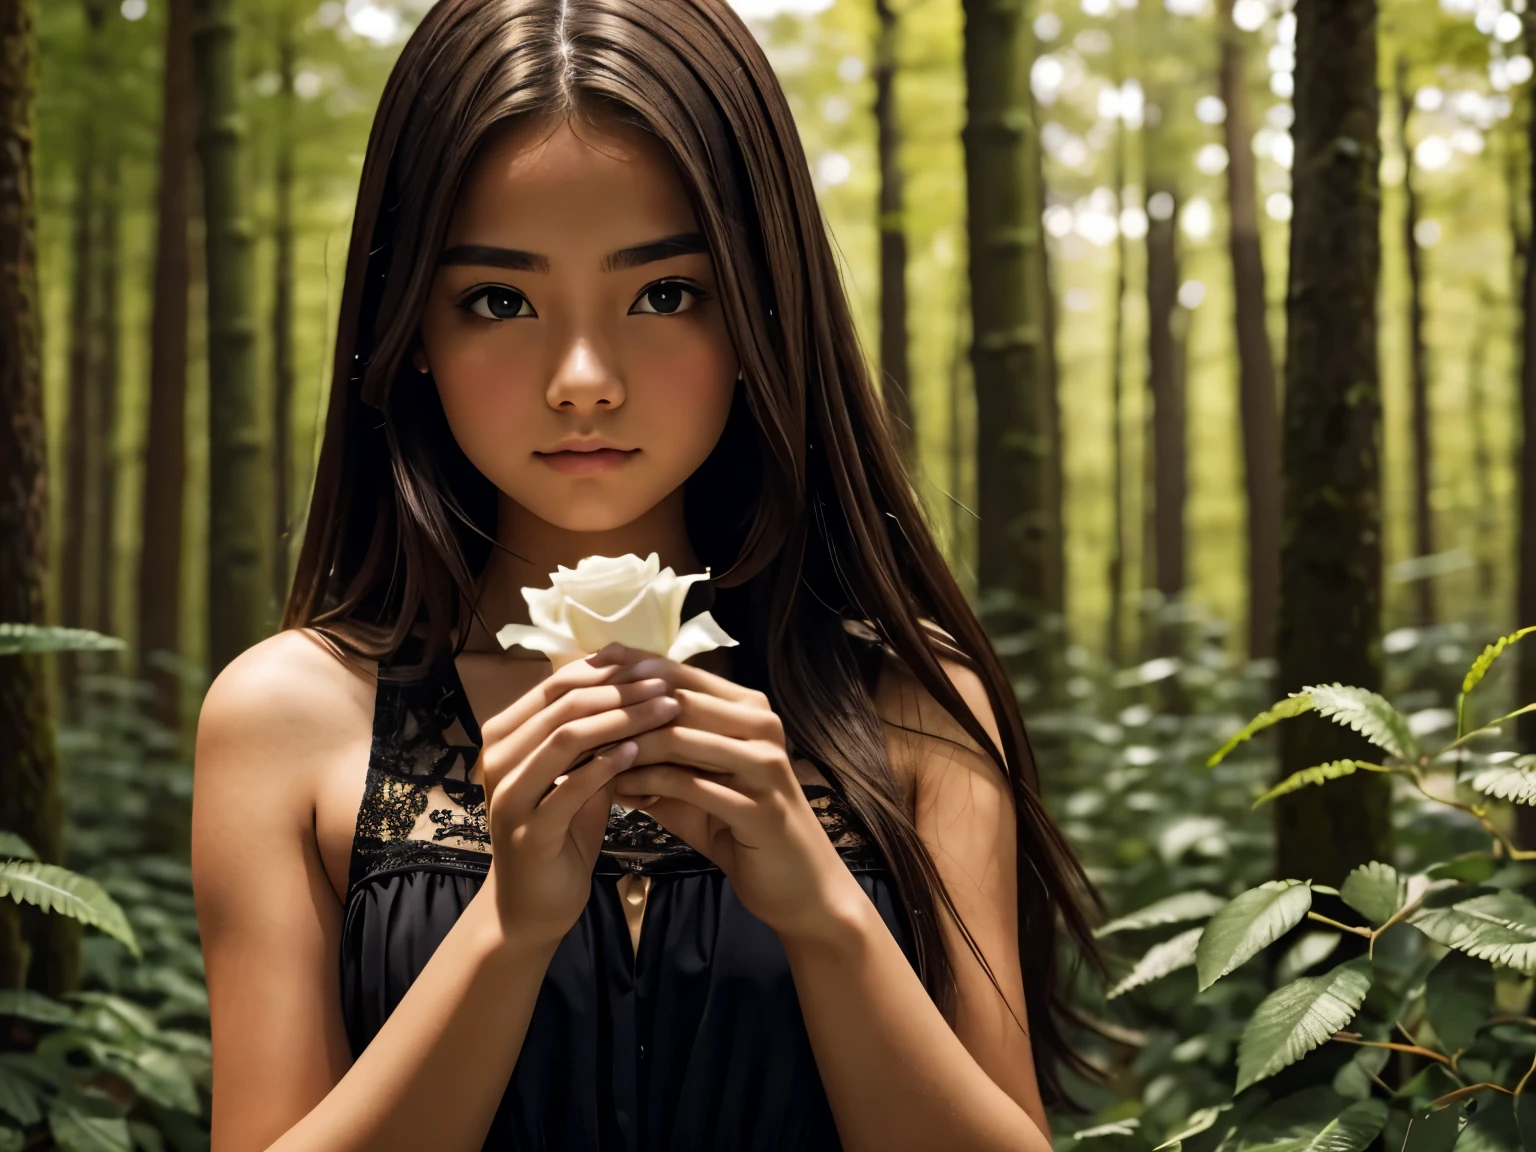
[{"x": 478, "y": 294}]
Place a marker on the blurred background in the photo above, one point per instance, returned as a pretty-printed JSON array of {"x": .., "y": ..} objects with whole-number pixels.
[{"x": 1212, "y": 386}]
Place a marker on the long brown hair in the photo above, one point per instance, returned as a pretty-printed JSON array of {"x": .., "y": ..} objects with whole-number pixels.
[{"x": 804, "y": 508}]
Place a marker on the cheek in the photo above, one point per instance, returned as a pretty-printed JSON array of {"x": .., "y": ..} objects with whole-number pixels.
[{"x": 689, "y": 395}]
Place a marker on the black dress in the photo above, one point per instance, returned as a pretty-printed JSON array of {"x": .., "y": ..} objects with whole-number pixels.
[{"x": 695, "y": 1045}]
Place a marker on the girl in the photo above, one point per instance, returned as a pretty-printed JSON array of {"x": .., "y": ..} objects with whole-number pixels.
[{"x": 591, "y": 309}]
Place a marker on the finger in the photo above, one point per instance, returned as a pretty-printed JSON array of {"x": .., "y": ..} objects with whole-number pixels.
[
  {"x": 749, "y": 765},
  {"x": 723, "y": 801},
  {"x": 688, "y": 676},
  {"x": 609, "y": 666},
  {"x": 735, "y": 718},
  {"x": 509, "y": 748},
  {"x": 525, "y": 785},
  {"x": 572, "y": 790}
]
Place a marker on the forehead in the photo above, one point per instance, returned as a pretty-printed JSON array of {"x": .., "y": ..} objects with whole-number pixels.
[{"x": 551, "y": 184}]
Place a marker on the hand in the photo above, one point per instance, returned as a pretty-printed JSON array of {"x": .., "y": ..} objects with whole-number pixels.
[
  {"x": 550, "y": 759},
  {"x": 718, "y": 777}
]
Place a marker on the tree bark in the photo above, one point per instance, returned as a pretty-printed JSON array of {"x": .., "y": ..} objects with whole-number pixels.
[
  {"x": 1256, "y": 369},
  {"x": 282, "y": 311},
  {"x": 1115, "y": 636},
  {"x": 1482, "y": 512},
  {"x": 1418, "y": 369},
  {"x": 895, "y": 371},
  {"x": 35, "y": 948},
  {"x": 1526, "y": 590},
  {"x": 107, "y": 379},
  {"x": 1165, "y": 380},
  {"x": 238, "y": 515},
  {"x": 1330, "y": 561},
  {"x": 159, "y": 572},
  {"x": 1007, "y": 277}
]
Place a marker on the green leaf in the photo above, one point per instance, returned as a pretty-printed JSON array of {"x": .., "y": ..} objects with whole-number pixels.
[
  {"x": 17, "y": 638},
  {"x": 11, "y": 1140},
  {"x": 1489, "y": 654},
  {"x": 1310, "y": 948},
  {"x": 55, "y": 889},
  {"x": 1161, "y": 959},
  {"x": 1293, "y": 705},
  {"x": 1374, "y": 890},
  {"x": 159, "y": 1076},
  {"x": 1434, "y": 1132},
  {"x": 1514, "y": 781},
  {"x": 13, "y": 847},
  {"x": 1458, "y": 998},
  {"x": 1317, "y": 774},
  {"x": 1368, "y": 714},
  {"x": 1113, "y": 1128},
  {"x": 1349, "y": 1131},
  {"x": 1492, "y": 1127},
  {"x": 20, "y": 1099},
  {"x": 26, "y": 1004},
  {"x": 146, "y": 1137},
  {"x": 1472, "y": 867},
  {"x": 1172, "y": 910},
  {"x": 1197, "y": 1123},
  {"x": 1499, "y": 927},
  {"x": 88, "y": 1122},
  {"x": 1250, "y": 922},
  {"x": 1293, "y": 1020}
]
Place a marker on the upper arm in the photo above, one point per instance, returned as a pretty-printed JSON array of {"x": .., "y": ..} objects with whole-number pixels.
[
  {"x": 964, "y": 812},
  {"x": 269, "y": 920}
]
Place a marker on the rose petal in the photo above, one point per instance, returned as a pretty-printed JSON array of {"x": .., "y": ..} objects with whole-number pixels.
[
  {"x": 700, "y": 634},
  {"x": 560, "y": 649},
  {"x": 546, "y": 608},
  {"x": 641, "y": 624}
]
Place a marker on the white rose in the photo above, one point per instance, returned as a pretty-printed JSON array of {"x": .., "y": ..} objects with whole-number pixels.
[{"x": 608, "y": 599}]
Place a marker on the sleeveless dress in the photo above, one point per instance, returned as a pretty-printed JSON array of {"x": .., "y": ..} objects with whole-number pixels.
[{"x": 696, "y": 1044}]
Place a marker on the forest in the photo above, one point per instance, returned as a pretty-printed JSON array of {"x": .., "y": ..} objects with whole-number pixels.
[{"x": 1210, "y": 327}]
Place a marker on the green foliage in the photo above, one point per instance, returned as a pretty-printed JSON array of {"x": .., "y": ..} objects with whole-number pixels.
[
  {"x": 1499, "y": 927},
  {"x": 1374, "y": 890},
  {"x": 1161, "y": 959},
  {"x": 1485, "y": 660},
  {"x": 1248, "y": 924},
  {"x": 55, "y": 889},
  {"x": 1513, "y": 780},
  {"x": 17, "y": 638},
  {"x": 1174, "y": 909},
  {"x": 1292, "y": 706},
  {"x": 1368, "y": 714},
  {"x": 1317, "y": 774},
  {"x": 1293, "y": 1020}
]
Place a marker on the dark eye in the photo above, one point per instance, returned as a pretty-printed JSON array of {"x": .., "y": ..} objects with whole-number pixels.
[
  {"x": 497, "y": 303},
  {"x": 668, "y": 298}
]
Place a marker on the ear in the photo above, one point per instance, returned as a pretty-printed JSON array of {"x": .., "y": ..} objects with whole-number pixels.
[{"x": 419, "y": 359}]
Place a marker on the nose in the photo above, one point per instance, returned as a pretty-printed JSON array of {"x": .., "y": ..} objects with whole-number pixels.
[{"x": 583, "y": 383}]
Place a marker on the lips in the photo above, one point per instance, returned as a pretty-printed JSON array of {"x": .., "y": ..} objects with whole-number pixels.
[{"x": 584, "y": 463}]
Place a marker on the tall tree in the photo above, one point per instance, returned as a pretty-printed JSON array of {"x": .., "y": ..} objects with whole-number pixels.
[
  {"x": 238, "y": 516},
  {"x": 1165, "y": 387},
  {"x": 1009, "y": 310},
  {"x": 895, "y": 370},
  {"x": 1256, "y": 369},
  {"x": 282, "y": 304},
  {"x": 106, "y": 380},
  {"x": 159, "y": 572},
  {"x": 1418, "y": 368},
  {"x": 1526, "y": 592},
  {"x": 41, "y": 950},
  {"x": 1115, "y": 638},
  {"x": 1330, "y": 560}
]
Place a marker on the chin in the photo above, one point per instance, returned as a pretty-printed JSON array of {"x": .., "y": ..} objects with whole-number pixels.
[{"x": 590, "y": 515}]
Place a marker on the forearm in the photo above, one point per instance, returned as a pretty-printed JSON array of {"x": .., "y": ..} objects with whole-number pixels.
[
  {"x": 895, "y": 1073},
  {"x": 454, "y": 1037}
]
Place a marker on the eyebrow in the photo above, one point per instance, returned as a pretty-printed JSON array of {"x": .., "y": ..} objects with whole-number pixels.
[{"x": 488, "y": 255}]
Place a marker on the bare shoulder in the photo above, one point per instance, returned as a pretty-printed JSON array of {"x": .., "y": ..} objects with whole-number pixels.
[
  {"x": 916, "y": 720},
  {"x": 289, "y": 694}
]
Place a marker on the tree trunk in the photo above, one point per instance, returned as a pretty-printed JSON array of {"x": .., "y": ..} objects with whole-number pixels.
[
  {"x": 107, "y": 379},
  {"x": 1007, "y": 275},
  {"x": 282, "y": 312},
  {"x": 1115, "y": 637},
  {"x": 895, "y": 372},
  {"x": 1330, "y": 561},
  {"x": 1525, "y": 605},
  {"x": 159, "y": 576},
  {"x": 1418, "y": 370},
  {"x": 38, "y": 949},
  {"x": 238, "y": 516},
  {"x": 1165, "y": 379},
  {"x": 1482, "y": 512},
  {"x": 1256, "y": 369}
]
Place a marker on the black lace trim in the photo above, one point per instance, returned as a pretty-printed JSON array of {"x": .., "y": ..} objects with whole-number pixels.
[{"x": 419, "y": 806}]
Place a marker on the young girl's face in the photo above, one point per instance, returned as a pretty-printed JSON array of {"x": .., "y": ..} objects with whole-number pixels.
[{"x": 574, "y": 309}]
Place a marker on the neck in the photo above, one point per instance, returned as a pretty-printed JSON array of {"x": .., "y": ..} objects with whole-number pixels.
[{"x": 531, "y": 548}]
